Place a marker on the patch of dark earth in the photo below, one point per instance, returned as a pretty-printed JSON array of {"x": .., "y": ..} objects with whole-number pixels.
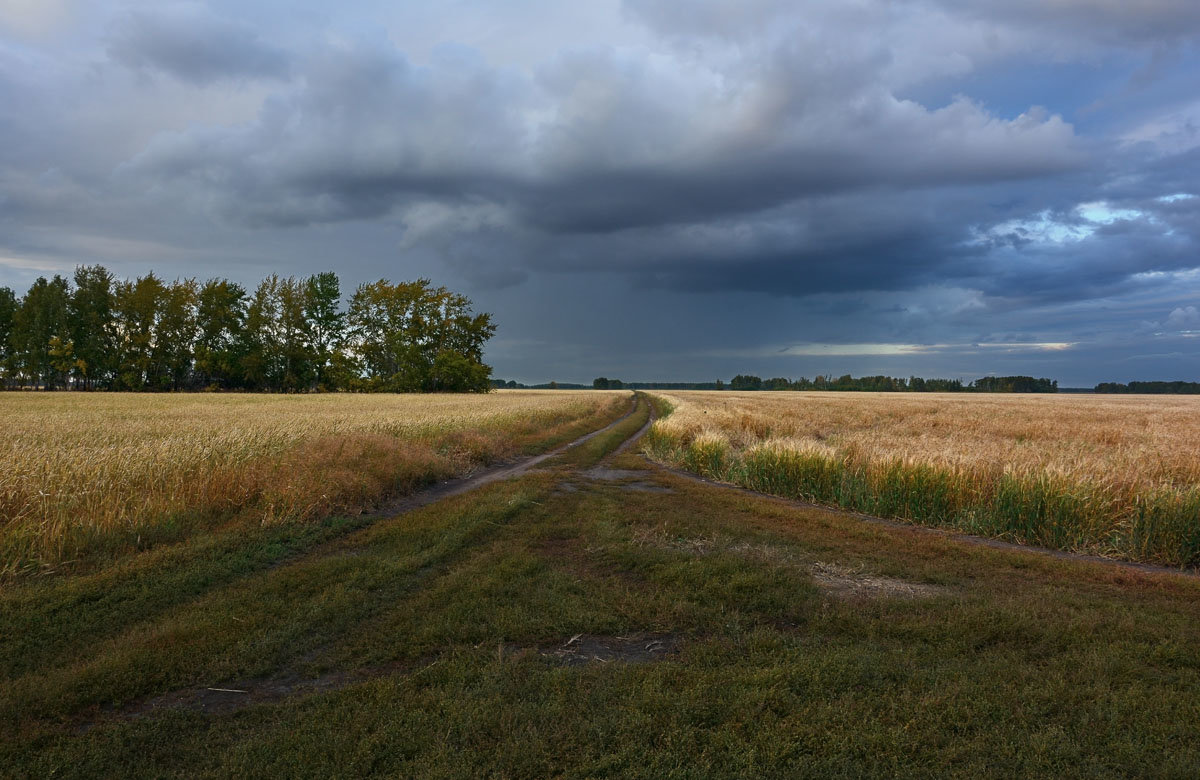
[
  {"x": 590, "y": 649},
  {"x": 621, "y": 476},
  {"x": 628, "y": 487},
  {"x": 226, "y": 698}
]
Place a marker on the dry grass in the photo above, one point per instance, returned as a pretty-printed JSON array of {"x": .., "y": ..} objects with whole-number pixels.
[
  {"x": 1118, "y": 476},
  {"x": 82, "y": 473}
]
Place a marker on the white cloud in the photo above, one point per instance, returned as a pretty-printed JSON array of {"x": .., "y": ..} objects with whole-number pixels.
[
  {"x": 1184, "y": 318},
  {"x": 855, "y": 349},
  {"x": 1173, "y": 131},
  {"x": 34, "y": 264}
]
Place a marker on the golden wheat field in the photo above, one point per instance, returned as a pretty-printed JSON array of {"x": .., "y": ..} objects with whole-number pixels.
[
  {"x": 1116, "y": 475},
  {"x": 81, "y": 472}
]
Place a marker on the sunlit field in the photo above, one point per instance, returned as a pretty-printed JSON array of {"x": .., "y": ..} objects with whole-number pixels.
[
  {"x": 88, "y": 473},
  {"x": 1114, "y": 476}
]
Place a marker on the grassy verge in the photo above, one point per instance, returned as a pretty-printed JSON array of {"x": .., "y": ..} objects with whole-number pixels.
[
  {"x": 439, "y": 644},
  {"x": 1153, "y": 526}
]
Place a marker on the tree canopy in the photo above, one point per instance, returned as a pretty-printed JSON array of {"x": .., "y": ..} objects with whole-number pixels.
[{"x": 285, "y": 335}]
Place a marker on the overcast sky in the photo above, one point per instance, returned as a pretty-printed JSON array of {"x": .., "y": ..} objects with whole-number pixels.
[{"x": 648, "y": 189}]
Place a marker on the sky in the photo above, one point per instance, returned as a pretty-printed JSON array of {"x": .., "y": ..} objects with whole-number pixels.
[{"x": 646, "y": 189}]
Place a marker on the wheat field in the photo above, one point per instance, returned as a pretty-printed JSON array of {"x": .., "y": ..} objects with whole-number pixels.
[
  {"x": 88, "y": 472},
  {"x": 1117, "y": 476}
]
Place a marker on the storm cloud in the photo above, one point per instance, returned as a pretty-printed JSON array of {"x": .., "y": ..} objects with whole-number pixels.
[{"x": 867, "y": 173}]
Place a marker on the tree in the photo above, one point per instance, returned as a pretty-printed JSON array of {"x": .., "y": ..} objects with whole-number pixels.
[
  {"x": 296, "y": 354},
  {"x": 289, "y": 335},
  {"x": 454, "y": 372},
  {"x": 261, "y": 361},
  {"x": 220, "y": 318},
  {"x": 62, "y": 358},
  {"x": 42, "y": 316},
  {"x": 456, "y": 339},
  {"x": 600, "y": 383},
  {"x": 380, "y": 313},
  {"x": 175, "y": 336},
  {"x": 745, "y": 382},
  {"x": 406, "y": 336},
  {"x": 326, "y": 326},
  {"x": 8, "y": 310},
  {"x": 93, "y": 330},
  {"x": 137, "y": 307},
  {"x": 1015, "y": 384}
]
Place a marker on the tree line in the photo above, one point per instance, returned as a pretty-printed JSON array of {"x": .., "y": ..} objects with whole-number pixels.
[
  {"x": 877, "y": 384},
  {"x": 1153, "y": 388},
  {"x": 287, "y": 335},
  {"x": 888, "y": 384}
]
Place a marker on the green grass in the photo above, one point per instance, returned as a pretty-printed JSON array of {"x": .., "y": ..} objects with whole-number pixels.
[
  {"x": 1044, "y": 511},
  {"x": 596, "y": 448},
  {"x": 435, "y": 625}
]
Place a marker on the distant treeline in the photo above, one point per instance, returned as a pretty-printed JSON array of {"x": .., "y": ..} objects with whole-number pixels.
[
  {"x": 1160, "y": 388},
  {"x": 877, "y": 384},
  {"x": 603, "y": 383},
  {"x": 889, "y": 384},
  {"x": 287, "y": 335}
]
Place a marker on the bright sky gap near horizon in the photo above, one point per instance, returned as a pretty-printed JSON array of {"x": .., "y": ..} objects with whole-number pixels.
[{"x": 648, "y": 189}]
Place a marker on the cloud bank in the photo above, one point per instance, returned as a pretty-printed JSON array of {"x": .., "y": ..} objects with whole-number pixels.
[{"x": 853, "y": 173}]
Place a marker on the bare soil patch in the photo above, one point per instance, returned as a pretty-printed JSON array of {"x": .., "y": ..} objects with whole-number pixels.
[
  {"x": 838, "y": 580},
  {"x": 854, "y": 583},
  {"x": 611, "y": 475},
  {"x": 626, "y": 479},
  {"x": 230, "y": 697},
  {"x": 585, "y": 649},
  {"x": 227, "y": 697}
]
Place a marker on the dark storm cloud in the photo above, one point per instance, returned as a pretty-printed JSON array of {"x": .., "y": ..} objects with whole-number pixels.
[
  {"x": 194, "y": 46},
  {"x": 644, "y": 155},
  {"x": 601, "y": 141}
]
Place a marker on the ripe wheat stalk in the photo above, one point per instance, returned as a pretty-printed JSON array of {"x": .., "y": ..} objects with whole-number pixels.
[{"x": 81, "y": 472}]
